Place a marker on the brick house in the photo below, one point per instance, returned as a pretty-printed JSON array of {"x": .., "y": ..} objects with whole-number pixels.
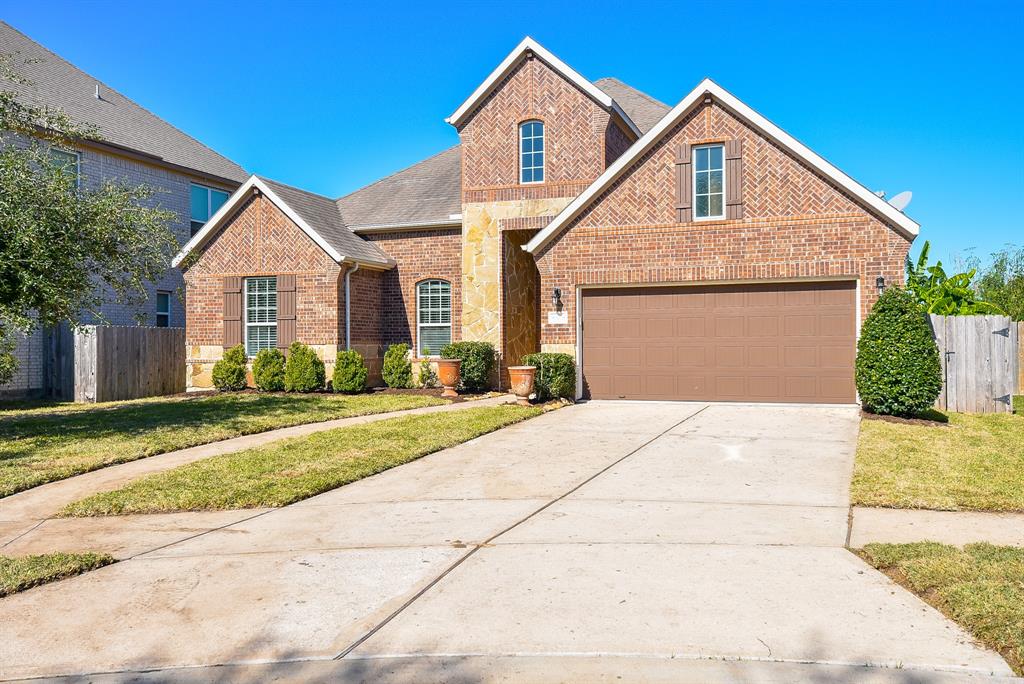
[
  {"x": 687, "y": 252},
  {"x": 137, "y": 147}
]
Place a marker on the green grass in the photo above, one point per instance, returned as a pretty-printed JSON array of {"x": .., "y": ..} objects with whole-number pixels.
[
  {"x": 291, "y": 470},
  {"x": 1018, "y": 404},
  {"x": 24, "y": 572},
  {"x": 52, "y": 442},
  {"x": 973, "y": 463},
  {"x": 980, "y": 587}
]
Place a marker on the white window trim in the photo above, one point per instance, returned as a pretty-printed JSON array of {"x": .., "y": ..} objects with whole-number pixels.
[
  {"x": 245, "y": 313},
  {"x": 78, "y": 163},
  {"x": 543, "y": 151},
  {"x": 419, "y": 325},
  {"x": 693, "y": 183},
  {"x": 209, "y": 203},
  {"x": 160, "y": 313}
]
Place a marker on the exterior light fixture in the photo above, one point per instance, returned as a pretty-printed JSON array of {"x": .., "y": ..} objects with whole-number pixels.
[
  {"x": 880, "y": 284},
  {"x": 556, "y": 299}
]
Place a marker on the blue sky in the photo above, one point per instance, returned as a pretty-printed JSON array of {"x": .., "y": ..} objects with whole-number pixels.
[{"x": 329, "y": 97}]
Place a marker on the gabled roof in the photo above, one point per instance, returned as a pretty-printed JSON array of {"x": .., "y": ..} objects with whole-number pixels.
[
  {"x": 643, "y": 109},
  {"x": 868, "y": 199},
  {"x": 529, "y": 45},
  {"x": 317, "y": 216},
  {"x": 122, "y": 123}
]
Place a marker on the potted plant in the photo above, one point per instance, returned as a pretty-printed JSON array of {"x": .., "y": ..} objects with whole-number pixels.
[
  {"x": 521, "y": 379},
  {"x": 449, "y": 373}
]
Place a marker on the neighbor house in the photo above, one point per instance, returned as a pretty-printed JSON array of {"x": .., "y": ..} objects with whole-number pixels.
[
  {"x": 687, "y": 252},
  {"x": 190, "y": 179}
]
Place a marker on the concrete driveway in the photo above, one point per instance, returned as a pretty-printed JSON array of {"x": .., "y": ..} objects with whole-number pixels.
[{"x": 605, "y": 541}]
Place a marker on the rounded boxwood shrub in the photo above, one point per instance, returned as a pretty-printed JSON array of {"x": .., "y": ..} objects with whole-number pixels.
[
  {"x": 304, "y": 371},
  {"x": 556, "y": 375},
  {"x": 397, "y": 370},
  {"x": 898, "y": 370},
  {"x": 229, "y": 372},
  {"x": 477, "y": 363},
  {"x": 268, "y": 370},
  {"x": 349, "y": 373}
]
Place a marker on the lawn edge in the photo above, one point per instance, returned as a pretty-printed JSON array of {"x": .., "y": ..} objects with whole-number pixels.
[{"x": 102, "y": 560}]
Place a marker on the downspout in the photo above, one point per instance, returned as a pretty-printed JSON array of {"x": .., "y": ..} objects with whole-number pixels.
[{"x": 348, "y": 306}]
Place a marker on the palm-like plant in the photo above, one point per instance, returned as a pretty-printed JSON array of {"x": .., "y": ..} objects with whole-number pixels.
[{"x": 943, "y": 294}]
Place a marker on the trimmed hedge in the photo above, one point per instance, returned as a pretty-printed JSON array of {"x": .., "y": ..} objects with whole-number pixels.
[
  {"x": 556, "y": 375},
  {"x": 397, "y": 370},
  {"x": 477, "y": 363},
  {"x": 898, "y": 369},
  {"x": 304, "y": 371},
  {"x": 349, "y": 373},
  {"x": 229, "y": 372},
  {"x": 268, "y": 370}
]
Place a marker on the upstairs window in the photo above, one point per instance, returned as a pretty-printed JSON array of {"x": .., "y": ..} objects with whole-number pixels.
[
  {"x": 70, "y": 162},
  {"x": 433, "y": 316},
  {"x": 205, "y": 203},
  {"x": 163, "y": 309},
  {"x": 531, "y": 152},
  {"x": 709, "y": 182},
  {"x": 260, "y": 314}
]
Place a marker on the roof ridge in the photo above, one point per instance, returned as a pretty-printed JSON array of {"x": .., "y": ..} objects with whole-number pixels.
[
  {"x": 123, "y": 96},
  {"x": 293, "y": 187},
  {"x": 395, "y": 173}
]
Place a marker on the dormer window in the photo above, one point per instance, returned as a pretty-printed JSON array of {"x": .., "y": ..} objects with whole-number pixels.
[
  {"x": 531, "y": 152},
  {"x": 709, "y": 182}
]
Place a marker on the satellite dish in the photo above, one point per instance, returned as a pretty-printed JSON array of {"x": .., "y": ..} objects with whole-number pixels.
[{"x": 901, "y": 200}]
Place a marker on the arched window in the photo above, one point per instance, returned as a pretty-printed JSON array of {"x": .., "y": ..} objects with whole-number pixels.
[
  {"x": 531, "y": 152},
  {"x": 433, "y": 316}
]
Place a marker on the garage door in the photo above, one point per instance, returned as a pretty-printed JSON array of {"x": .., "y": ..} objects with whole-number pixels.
[{"x": 787, "y": 342}]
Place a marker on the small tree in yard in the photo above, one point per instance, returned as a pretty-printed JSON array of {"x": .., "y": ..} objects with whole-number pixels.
[
  {"x": 60, "y": 243},
  {"x": 229, "y": 372},
  {"x": 397, "y": 370},
  {"x": 350, "y": 373},
  {"x": 898, "y": 370},
  {"x": 304, "y": 371}
]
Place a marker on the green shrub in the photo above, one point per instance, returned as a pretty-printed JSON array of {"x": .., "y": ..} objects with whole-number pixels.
[
  {"x": 229, "y": 372},
  {"x": 477, "y": 362},
  {"x": 556, "y": 375},
  {"x": 268, "y": 370},
  {"x": 428, "y": 378},
  {"x": 349, "y": 373},
  {"x": 304, "y": 371},
  {"x": 397, "y": 370},
  {"x": 898, "y": 369}
]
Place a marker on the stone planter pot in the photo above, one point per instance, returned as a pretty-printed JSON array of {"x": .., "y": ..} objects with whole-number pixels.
[
  {"x": 521, "y": 379},
  {"x": 449, "y": 372}
]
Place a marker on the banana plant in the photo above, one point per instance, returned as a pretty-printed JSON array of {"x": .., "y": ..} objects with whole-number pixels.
[{"x": 943, "y": 294}]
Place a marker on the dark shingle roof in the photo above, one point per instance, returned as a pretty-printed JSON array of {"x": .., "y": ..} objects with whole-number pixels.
[
  {"x": 643, "y": 109},
  {"x": 59, "y": 84},
  {"x": 426, "y": 192},
  {"x": 321, "y": 213}
]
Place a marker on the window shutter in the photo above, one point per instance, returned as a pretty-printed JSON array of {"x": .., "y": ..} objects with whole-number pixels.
[
  {"x": 734, "y": 179},
  {"x": 232, "y": 311},
  {"x": 285, "y": 310},
  {"x": 684, "y": 181}
]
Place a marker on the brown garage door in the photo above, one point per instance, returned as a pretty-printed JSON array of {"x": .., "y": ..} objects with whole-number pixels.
[{"x": 767, "y": 342}]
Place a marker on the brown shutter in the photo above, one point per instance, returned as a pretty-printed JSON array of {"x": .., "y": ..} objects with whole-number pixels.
[
  {"x": 684, "y": 181},
  {"x": 232, "y": 311},
  {"x": 285, "y": 310},
  {"x": 734, "y": 179}
]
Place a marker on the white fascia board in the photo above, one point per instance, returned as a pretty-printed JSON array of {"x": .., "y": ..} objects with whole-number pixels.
[
  {"x": 211, "y": 224},
  {"x": 907, "y": 226},
  {"x": 528, "y": 44}
]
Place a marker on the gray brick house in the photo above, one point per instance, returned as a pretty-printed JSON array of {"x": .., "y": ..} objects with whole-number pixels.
[{"x": 190, "y": 179}]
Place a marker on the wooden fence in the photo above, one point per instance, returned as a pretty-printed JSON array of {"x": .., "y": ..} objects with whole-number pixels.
[
  {"x": 979, "y": 356},
  {"x": 110, "y": 363},
  {"x": 1020, "y": 357}
]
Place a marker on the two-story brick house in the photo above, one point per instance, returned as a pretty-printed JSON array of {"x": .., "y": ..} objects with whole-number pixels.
[
  {"x": 691, "y": 252},
  {"x": 189, "y": 179}
]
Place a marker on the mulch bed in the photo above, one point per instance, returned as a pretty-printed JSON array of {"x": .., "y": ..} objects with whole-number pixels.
[{"x": 930, "y": 418}]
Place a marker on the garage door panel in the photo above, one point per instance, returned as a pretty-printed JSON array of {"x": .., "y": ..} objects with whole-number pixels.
[{"x": 759, "y": 342}]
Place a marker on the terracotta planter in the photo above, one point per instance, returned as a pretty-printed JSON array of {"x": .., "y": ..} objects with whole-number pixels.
[
  {"x": 521, "y": 379},
  {"x": 449, "y": 372}
]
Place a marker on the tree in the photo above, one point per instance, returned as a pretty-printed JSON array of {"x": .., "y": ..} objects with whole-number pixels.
[
  {"x": 65, "y": 249},
  {"x": 1002, "y": 281},
  {"x": 942, "y": 294}
]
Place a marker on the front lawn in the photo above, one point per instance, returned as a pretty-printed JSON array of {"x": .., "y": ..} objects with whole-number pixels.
[
  {"x": 40, "y": 445},
  {"x": 19, "y": 573},
  {"x": 980, "y": 587},
  {"x": 973, "y": 463},
  {"x": 290, "y": 470}
]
